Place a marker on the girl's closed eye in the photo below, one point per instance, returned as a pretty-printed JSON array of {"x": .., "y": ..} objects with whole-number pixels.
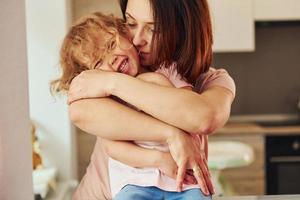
[{"x": 98, "y": 64}]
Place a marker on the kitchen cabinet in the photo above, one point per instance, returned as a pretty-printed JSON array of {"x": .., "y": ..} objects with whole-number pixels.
[
  {"x": 233, "y": 21},
  {"x": 256, "y": 131},
  {"x": 248, "y": 180},
  {"x": 233, "y": 25},
  {"x": 276, "y": 10}
]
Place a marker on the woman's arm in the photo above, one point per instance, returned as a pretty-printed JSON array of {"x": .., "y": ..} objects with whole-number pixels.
[
  {"x": 108, "y": 119},
  {"x": 99, "y": 117},
  {"x": 190, "y": 111},
  {"x": 187, "y": 110},
  {"x": 111, "y": 120}
]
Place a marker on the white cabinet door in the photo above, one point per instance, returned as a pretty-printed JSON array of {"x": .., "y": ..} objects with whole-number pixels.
[
  {"x": 276, "y": 10},
  {"x": 233, "y": 25}
]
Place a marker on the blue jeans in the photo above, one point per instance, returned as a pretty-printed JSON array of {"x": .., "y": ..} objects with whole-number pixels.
[{"x": 133, "y": 192}]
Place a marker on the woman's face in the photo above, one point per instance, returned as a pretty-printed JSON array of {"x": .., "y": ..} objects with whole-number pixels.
[
  {"x": 120, "y": 56},
  {"x": 139, "y": 19}
]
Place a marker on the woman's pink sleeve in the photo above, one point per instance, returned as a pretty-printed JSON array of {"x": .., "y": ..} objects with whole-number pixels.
[
  {"x": 215, "y": 77},
  {"x": 95, "y": 183}
]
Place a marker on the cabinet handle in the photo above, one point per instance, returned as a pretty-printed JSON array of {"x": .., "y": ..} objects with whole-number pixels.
[{"x": 285, "y": 159}]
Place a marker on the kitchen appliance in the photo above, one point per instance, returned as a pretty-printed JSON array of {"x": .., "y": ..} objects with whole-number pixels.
[{"x": 282, "y": 164}]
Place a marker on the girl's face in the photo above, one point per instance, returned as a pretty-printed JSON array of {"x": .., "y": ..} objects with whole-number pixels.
[
  {"x": 120, "y": 56},
  {"x": 139, "y": 19}
]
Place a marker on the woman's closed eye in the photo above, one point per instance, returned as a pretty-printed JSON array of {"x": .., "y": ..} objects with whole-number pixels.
[
  {"x": 149, "y": 29},
  {"x": 131, "y": 24}
]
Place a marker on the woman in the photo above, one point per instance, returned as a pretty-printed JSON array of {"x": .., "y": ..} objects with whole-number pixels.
[
  {"x": 101, "y": 42},
  {"x": 185, "y": 40}
]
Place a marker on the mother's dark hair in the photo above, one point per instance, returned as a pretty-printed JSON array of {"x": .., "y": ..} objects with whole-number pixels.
[{"x": 183, "y": 34}]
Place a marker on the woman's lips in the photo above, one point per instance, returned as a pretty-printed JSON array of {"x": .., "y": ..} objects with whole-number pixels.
[{"x": 143, "y": 55}]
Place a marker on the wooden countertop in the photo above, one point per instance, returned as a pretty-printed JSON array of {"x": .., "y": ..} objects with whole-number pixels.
[
  {"x": 265, "y": 197},
  {"x": 238, "y": 128}
]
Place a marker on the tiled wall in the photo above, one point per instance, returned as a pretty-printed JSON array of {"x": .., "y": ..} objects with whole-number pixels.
[
  {"x": 81, "y": 7},
  {"x": 267, "y": 80}
]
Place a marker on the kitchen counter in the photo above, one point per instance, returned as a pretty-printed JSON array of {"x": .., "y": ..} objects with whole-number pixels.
[
  {"x": 246, "y": 125},
  {"x": 252, "y": 128},
  {"x": 265, "y": 197},
  {"x": 249, "y": 130}
]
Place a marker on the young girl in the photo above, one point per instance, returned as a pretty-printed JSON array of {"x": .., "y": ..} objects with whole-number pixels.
[{"x": 100, "y": 42}]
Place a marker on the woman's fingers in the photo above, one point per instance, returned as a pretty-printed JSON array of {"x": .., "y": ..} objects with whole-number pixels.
[
  {"x": 180, "y": 176},
  {"x": 200, "y": 178},
  {"x": 207, "y": 176}
]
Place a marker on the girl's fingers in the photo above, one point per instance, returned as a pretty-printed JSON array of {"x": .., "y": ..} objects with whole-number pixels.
[
  {"x": 180, "y": 177},
  {"x": 70, "y": 98},
  {"x": 189, "y": 179}
]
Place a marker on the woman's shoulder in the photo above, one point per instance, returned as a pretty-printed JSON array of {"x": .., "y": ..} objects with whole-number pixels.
[
  {"x": 215, "y": 77},
  {"x": 172, "y": 74}
]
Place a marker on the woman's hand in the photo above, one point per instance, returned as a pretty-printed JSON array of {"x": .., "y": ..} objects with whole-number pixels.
[
  {"x": 188, "y": 155},
  {"x": 90, "y": 84}
]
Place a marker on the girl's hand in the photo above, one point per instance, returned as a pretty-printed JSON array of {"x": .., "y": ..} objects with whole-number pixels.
[
  {"x": 167, "y": 165},
  {"x": 90, "y": 84},
  {"x": 188, "y": 155}
]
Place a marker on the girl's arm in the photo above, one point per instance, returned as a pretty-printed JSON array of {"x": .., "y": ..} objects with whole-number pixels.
[
  {"x": 92, "y": 115},
  {"x": 143, "y": 158}
]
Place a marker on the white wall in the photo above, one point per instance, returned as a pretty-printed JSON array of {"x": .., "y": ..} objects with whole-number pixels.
[
  {"x": 47, "y": 23},
  {"x": 82, "y": 7},
  {"x": 15, "y": 141}
]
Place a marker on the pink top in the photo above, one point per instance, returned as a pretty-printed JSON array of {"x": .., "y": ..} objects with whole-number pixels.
[{"x": 95, "y": 183}]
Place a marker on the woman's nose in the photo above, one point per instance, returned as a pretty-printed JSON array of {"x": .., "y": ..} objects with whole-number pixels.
[{"x": 139, "y": 39}]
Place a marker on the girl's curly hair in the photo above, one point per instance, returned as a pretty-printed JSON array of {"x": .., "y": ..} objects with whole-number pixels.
[{"x": 84, "y": 44}]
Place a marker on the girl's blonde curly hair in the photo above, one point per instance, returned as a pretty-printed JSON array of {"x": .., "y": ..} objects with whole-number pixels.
[{"x": 84, "y": 44}]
